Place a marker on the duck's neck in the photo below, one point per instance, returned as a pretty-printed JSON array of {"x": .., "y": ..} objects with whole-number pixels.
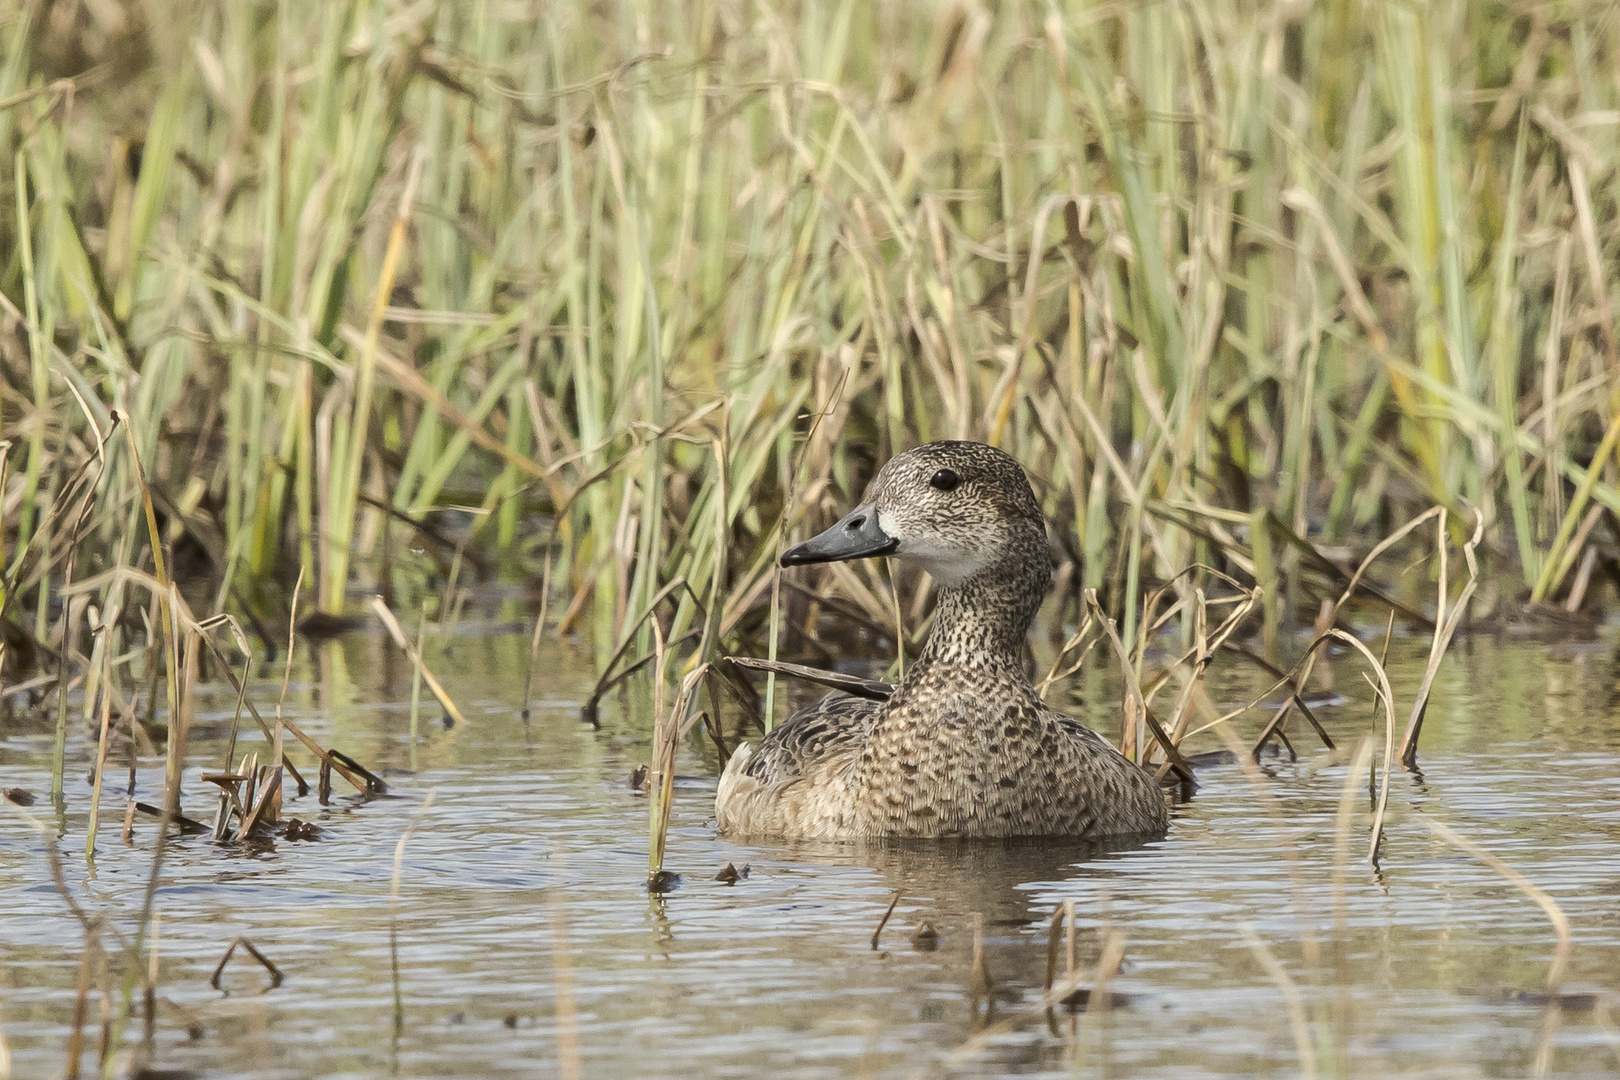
[{"x": 982, "y": 622}]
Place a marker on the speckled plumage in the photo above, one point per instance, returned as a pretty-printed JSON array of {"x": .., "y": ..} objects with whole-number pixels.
[{"x": 965, "y": 746}]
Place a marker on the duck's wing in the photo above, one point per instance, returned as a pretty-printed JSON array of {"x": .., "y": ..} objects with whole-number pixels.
[
  {"x": 833, "y": 727},
  {"x": 806, "y": 751},
  {"x": 1119, "y": 796}
]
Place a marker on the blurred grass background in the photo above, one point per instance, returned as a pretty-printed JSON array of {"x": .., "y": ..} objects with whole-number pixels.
[{"x": 621, "y": 296}]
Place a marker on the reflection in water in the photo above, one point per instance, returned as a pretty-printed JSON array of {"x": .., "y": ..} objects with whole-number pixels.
[{"x": 527, "y": 939}]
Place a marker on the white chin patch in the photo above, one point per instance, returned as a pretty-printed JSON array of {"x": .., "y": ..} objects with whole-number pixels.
[{"x": 947, "y": 564}]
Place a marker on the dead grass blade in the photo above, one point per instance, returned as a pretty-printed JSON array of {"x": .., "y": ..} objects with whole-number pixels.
[
  {"x": 1446, "y": 623},
  {"x": 276, "y": 976},
  {"x": 398, "y": 634}
]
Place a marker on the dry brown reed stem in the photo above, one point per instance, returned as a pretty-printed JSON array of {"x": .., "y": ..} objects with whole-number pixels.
[
  {"x": 101, "y": 747},
  {"x": 416, "y": 681},
  {"x": 1307, "y": 663},
  {"x": 81, "y": 1002},
  {"x": 398, "y": 634},
  {"x": 1062, "y": 919},
  {"x": 1133, "y": 737},
  {"x": 668, "y": 730},
  {"x": 1446, "y": 623},
  {"x": 1554, "y": 913},
  {"x": 1139, "y": 719},
  {"x": 1386, "y": 698},
  {"x": 1073, "y": 642},
  {"x": 277, "y": 977},
  {"x": 163, "y": 595},
  {"x": 893, "y": 900},
  {"x": 393, "y": 907},
  {"x": 278, "y": 752},
  {"x": 1297, "y": 1019},
  {"x": 69, "y": 624},
  {"x": 539, "y": 632}
]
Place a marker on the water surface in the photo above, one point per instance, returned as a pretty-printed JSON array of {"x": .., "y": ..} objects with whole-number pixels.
[{"x": 526, "y": 937}]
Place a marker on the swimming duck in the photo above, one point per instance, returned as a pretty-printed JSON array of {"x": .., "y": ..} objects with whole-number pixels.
[{"x": 964, "y": 747}]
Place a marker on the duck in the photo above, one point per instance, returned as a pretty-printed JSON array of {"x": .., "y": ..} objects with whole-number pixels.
[{"x": 964, "y": 746}]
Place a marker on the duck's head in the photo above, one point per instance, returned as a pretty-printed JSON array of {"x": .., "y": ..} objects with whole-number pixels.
[{"x": 955, "y": 509}]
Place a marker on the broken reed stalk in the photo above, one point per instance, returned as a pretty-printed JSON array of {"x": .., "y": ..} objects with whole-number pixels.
[
  {"x": 893, "y": 900},
  {"x": 1539, "y": 896},
  {"x": 1446, "y": 623},
  {"x": 393, "y": 909},
  {"x": 1062, "y": 919},
  {"x": 1069, "y": 645},
  {"x": 1297, "y": 1020},
  {"x": 1138, "y": 718},
  {"x": 278, "y": 749},
  {"x": 539, "y": 632},
  {"x": 668, "y": 731},
  {"x": 101, "y": 747},
  {"x": 398, "y": 634},
  {"x": 416, "y": 681},
  {"x": 277, "y": 977},
  {"x": 164, "y": 595}
]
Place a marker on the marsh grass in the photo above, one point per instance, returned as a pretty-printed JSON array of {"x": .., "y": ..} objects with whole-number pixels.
[
  {"x": 623, "y": 299},
  {"x": 1240, "y": 286}
]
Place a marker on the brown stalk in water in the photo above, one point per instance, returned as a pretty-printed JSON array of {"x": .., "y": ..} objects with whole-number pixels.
[
  {"x": 101, "y": 746},
  {"x": 164, "y": 595},
  {"x": 668, "y": 730},
  {"x": 1446, "y": 623},
  {"x": 398, "y": 634},
  {"x": 893, "y": 900},
  {"x": 276, "y": 976}
]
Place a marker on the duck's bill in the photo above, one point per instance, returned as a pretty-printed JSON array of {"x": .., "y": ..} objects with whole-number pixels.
[{"x": 858, "y": 536}]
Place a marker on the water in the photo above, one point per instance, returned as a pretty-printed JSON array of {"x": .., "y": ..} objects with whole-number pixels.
[{"x": 524, "y": 931}]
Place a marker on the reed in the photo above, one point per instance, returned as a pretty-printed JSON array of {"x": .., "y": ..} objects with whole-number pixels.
[
  {"x": 1223, "y": 280},
  {"x": 645, "y": 293}
]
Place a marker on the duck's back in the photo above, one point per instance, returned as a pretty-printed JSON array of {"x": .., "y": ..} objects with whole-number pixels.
[
  {"x": 947, "y": 756},
  {"x": 795, "y": 781},
  {"x": 977, "y": 753}
]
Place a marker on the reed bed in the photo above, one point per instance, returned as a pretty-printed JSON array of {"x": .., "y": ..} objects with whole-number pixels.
[
  {"x": 649, "y": 291},
  {"x": 618, "y": 300}
]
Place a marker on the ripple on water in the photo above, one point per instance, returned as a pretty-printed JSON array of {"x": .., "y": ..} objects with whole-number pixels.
[{"x": 522, "y": 900}]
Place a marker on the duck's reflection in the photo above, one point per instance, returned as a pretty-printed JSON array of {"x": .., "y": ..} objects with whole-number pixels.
[{"x": 1004, "y": 892}]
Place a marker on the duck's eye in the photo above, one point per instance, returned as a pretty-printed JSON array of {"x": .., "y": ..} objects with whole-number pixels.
[{"x": 945, "y": 480}]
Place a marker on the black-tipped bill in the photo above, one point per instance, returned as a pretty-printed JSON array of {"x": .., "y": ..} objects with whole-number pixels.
[{"x": 856, "y": 537}]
